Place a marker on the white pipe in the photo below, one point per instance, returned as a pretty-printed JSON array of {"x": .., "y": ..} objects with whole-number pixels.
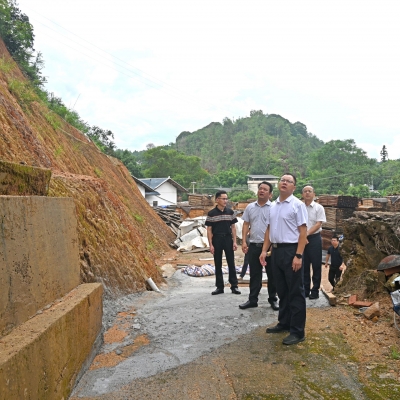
[{"x": 152, "y": 285}]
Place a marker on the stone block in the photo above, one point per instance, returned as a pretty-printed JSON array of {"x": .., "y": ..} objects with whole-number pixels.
[{"x": 42, "y": 358}]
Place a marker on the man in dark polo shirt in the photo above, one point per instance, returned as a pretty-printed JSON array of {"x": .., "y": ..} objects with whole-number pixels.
[{"x": 221, "y": 233}]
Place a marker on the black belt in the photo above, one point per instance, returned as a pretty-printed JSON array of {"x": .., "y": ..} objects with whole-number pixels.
[
  {"x": 222, "y": 234},
  {"x": 314, "y": 234},
  {"x": 257, "y": 244},
  {"x": 277, "y": 245}
]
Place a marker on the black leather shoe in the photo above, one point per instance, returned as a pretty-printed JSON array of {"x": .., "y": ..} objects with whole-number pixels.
[
  {"x": 277, "y": 329},
  {"x": 247, "y": 305},
  {"x": 217, "y": 291},
  {"x": 235, "y": 291},
  {"x": 293, "y": 339},
  {"x": 274, "y": 305},
  {"x": 313, "y": 296}
]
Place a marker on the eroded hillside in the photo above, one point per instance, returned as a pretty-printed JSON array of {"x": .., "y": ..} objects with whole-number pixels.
[{"x": 120, "y": 236}]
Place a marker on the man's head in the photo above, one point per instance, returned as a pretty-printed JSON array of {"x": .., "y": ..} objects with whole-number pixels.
[
  {"x": 264, "y": 191},
  {"x": 287, "y": 184},
  {"x": 335, "y": 241},
  {"x": 221, "y": 197},
  {"x": 308, "y": 193}
]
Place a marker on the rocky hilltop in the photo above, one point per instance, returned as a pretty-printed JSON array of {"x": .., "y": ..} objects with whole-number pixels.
[{"x": 120, "y": 236}]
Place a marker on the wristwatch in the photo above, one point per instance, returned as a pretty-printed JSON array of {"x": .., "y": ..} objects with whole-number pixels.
[{"x": 299, "y": 256}]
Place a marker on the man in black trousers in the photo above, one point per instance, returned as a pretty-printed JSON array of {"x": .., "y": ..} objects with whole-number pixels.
[
  {"x": 256, "y": 215},
  {"x": 313, "y": 249},
  {"x": 221, "y": 234},
  {"x": 287, "y": 232}
]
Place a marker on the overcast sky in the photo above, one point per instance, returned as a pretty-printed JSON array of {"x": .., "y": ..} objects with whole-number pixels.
[{"x": 150, "y": 69}]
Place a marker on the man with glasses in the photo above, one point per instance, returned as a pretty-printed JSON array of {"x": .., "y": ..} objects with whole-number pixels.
[
  {"x": 287, "y": 232},
  {"x": 221, "y": 234},
  {"x": 313, "y": 250},
  {"x": 256, "y": 215}
]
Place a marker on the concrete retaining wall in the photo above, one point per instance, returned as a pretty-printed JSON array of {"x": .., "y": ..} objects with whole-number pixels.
[
  {"x": 41, "y": 358},
  {"x": 39, "y": 255}
]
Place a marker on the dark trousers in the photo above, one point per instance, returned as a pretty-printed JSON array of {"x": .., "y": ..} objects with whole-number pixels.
[
  {"x": 290, "y": 288},
  {"x": 312, "y": 257},
  {"x": 256, "y": 271},
  {"x": 334, "y": 275},
  {"x": 224, "y": 243},
  {"x": 245, "y": 265}
]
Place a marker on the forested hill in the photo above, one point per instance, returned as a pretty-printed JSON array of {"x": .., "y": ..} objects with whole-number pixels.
[{"x": 258, "y": 144}]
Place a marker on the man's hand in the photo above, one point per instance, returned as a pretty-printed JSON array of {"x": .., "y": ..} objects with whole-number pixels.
[
  {"x": 245, "y": 248},
  {"x": 212, "y": 249},
  {"x": 263, "y": 261},
  {"x": 234, "y": 246},
  {"x": 296, "y": 264},
  {"x": 326, "y": 265}
]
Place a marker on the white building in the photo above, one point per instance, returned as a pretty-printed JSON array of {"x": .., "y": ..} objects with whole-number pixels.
[
  {"x": 254, "y": 180},
  {"x": 160, "y": 191}
]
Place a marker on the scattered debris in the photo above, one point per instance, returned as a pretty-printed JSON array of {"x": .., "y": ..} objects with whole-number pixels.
[{"x": 372, "y": 311}]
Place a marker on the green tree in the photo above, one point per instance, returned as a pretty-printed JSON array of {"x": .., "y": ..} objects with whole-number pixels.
[
  {"x": 160, "y": 163},
  {"x": 130, "y": 161},
  {"x": 384, "y": 154},
  {"x": 102, "y": 139},
  {"x": 359, "y": 191},
  {"x": 338, "y": 164}
]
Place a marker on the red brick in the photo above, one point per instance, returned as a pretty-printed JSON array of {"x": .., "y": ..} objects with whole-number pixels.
[
  {"x": 360, "y": 304},
  {"x": 352, "y": 299}
]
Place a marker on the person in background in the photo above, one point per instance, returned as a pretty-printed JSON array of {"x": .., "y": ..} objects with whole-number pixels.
[
  {"x": 337, "y": 265},
  {"x": 246, "y": 257},
  {"x": 256, "y": 215},
  {"x": 221, "y": 234},
  {"x": 313, "y": 250},
  {"x": 287, "y": 232}
]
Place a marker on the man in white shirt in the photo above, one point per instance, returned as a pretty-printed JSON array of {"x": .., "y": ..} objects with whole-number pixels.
[
  {"x": 287, "y": 231},
  {"x": 313, "y": 250}
]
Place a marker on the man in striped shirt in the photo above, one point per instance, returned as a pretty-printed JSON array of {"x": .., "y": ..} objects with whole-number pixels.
[{"x": 221, "y": 234}]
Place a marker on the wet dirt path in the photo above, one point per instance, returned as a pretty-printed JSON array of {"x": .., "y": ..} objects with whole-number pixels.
[{"x": 186, "y": 344}]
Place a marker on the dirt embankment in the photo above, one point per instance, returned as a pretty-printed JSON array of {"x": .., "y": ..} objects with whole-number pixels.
[{"x": 119, "y": 234}]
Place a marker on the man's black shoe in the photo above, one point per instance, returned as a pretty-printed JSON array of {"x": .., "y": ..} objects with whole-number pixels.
[
  {"x": 235, "y": 291},
  {"x": 217, "y": 291},
  {"x": 313, "y": 296},
  {"x": 293, "y": 339},
  {"x": 274, "y": 305},
  {"x": 247, "y": 305},
  {"x": 277, "y": 329}
]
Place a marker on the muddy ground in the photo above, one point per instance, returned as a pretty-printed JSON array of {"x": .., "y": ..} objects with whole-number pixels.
[{"x": 184, "y": 343}]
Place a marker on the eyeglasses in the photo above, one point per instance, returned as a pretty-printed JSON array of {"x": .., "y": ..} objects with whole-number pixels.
[
  {"x": 307, "y": 191},
  {"x": 285, "y": 180},
  {"x": 223, "y": 198}
]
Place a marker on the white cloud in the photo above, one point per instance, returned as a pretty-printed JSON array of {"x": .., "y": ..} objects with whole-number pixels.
[{"x": 149, "y": 70}]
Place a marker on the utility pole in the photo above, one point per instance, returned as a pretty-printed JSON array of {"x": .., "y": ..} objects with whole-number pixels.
[{"x": 193, "y": 183}]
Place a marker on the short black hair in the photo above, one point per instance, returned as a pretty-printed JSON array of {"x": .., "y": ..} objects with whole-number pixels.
[
  {"x": 335, "y": 237},
  {"x": 293, "y": 176},
  {"x": 218, "y": 194},
  {"x": 266, "y": 183}
]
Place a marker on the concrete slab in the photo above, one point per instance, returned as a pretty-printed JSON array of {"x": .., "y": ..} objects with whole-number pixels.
[
  {"x": 42, "y": 358},
  {"x": 39, "y": 255}
]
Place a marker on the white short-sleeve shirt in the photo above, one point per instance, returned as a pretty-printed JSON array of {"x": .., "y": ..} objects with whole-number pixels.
[
  {"x": 285, "y": 218},
  {"x": 316, "y": 213}
]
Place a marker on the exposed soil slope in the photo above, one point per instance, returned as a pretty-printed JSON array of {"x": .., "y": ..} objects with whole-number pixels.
[{"x": 120, "y": 235}]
